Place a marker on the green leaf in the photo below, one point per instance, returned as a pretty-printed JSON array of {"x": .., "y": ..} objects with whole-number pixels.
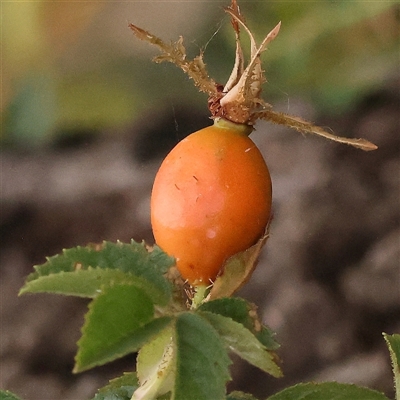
[
  {"x": 156, "y": 366},
  {"x": 6, "y": 395},
  {"x": 241, "y": 341},
  {"x": 233, "y": 307},
  {"x": 267, "y": 337},
  {"x": 327, "y": 390},
  {"x": 240, "y": 396},
  {"x": 128, "y": 257},
  {"x": 112, "y": 320},
  {"x": 188, "y": 359},
  {"x": 89, "y": 283},
  {"x": 121, "y": 388},
  {"x": 166, "y": 396},
  {"x": 132, "y": 259},
  {"x": 244, "y": 313},
  {"x": 393, "y": 344},
  {"x": 202, "y": 363}
]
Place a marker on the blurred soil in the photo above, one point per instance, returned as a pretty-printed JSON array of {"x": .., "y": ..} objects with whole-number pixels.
[{"x": 327, "y": 283}]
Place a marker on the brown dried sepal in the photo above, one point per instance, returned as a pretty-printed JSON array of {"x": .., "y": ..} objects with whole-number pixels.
[
  {"x": 240, "y": 99},
  {"x": 175, "y": 53},
  {"x": 308, "y": 127}
]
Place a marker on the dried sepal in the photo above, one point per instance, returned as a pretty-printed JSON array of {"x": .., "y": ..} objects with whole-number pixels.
[
  {"x": 242, "y": 92},
  {"x": 240, "y": 99},
  {"x": 246, "y": 93},
  {"x": 238, "y": 67},
  {"x": 308, "y": 127},
  {"x": 175, "y": 53},
  {"x": 237, "y": 20}
]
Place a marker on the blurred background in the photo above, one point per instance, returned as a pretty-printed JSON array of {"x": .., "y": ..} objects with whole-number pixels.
[{"x": 87, "y": 118}]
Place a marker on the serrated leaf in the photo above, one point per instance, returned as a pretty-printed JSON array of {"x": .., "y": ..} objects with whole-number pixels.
[
  {"x": 246, "y": 314},
  {"x": 243, "y": 342},
  {"x": 240, "y": 396},
  {"x": 236, "y": 271},
  {"x": 7, "y": 395},
  {"x": 156, "y": 366},
  {"x": 160, "y": 259},
  {"x": 89, "y": 283},
  {"x": 267, "y": 337},
  {"x": 120, "y": 388},
  {"x": 393, "y": 343},
  {"x": 202, "y": 363},
  {"x": 233, "y": 307},
  {"x": 131, "y": 258},
  {"x": 141, "y": 336},
  {"x": 188, "y": 358},
  {"x": 112, "y": 320},
  {"x": 327, "y": 390},
  {"x": 104, "y": 255}
]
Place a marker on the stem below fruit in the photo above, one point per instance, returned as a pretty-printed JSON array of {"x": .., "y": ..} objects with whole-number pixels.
[{"x": 199, "y": 296}]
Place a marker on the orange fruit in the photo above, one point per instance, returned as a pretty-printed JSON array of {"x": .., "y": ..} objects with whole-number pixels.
[{"x": 211, "y": 199}]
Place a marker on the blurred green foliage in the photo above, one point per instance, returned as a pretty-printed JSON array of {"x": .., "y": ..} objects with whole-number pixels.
[
  {"x": 76, "y": 65},
  {"x": 333, "y": 52}
]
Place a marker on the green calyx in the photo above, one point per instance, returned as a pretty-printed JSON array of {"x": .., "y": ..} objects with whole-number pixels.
[{"x": 242, "y": 129}]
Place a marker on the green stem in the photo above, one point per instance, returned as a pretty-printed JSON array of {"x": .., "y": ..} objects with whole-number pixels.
[
  {"x": 200, "y": 294},
  {"x": 243, "y": 129}
]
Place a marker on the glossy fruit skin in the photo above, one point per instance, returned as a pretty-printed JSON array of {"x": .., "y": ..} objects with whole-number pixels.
[{"x": 211, "y": 199}]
